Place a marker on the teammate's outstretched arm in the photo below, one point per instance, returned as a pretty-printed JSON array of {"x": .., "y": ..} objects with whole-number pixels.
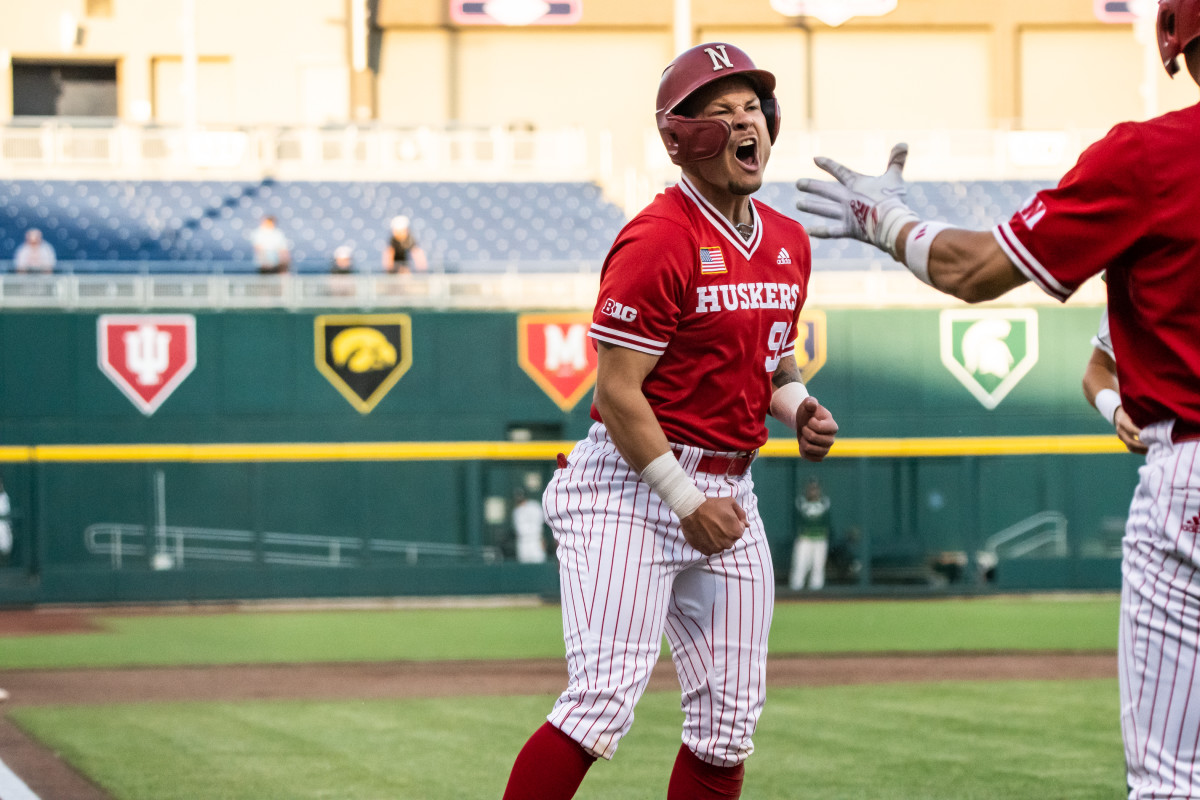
[
  {"x": 792, "y": 405},
  {"x": 966, "y": 264},
  {"x": 710, "y": 524},
  {"x": 1100, "y": 388}
]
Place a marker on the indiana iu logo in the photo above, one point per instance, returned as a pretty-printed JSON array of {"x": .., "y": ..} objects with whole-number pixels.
[
  {"x": 363, "y": 355},
  {"x": 989, "y": 350},
  {"x": 146, "y": 355},
  {"x": 554, "y": 350}
]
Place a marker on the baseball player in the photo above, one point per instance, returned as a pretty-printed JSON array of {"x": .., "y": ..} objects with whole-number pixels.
[
  {"x": 1101, "y": 388},
  {"x": 654, "y": 513},
  {"x": 1131, "y": 206}
]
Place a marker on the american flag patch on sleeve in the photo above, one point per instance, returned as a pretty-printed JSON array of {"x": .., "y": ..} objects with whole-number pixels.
[{"x": 712, "y": 261}]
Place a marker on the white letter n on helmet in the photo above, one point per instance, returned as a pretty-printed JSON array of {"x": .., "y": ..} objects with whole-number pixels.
[{"x": 720, "y": 60}]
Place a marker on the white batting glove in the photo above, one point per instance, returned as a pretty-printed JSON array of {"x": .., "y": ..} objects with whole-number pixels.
[{"x": 870, "y": 209}]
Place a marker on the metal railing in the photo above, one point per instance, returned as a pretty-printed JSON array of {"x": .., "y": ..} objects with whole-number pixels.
[
  {"x": 835, "y": 285},
  {"x": 174, "y": 547},
  {"x": 1047, "y": 528}
]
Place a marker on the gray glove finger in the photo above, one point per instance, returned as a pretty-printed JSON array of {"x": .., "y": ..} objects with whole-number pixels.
[
  {"x": 820, "y": 207},
  {"x": 829, "y": 189},
  {"x": 832, "y": 231},
  {"x": 844, "y": 174},
  {"x": 897, "y": 159}
]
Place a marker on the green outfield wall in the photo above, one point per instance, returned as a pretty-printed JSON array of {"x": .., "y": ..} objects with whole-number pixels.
[{"x": 204, "y": 455}]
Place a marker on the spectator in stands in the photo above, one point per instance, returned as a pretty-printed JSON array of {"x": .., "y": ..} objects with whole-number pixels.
[
  {"x": 36, "y": 255},
  {"x": 341, "y": 271},
  {"x": 271, "y": 252},
  {"x": 343, "y": 260},
  {"x": 402, "y": 252}
]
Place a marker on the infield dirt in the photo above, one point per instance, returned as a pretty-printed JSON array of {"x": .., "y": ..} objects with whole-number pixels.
[{"x": 50, "y": 777}]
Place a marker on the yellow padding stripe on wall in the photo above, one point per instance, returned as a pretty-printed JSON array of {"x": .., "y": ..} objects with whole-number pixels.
[{"x": 534, "y": 451}]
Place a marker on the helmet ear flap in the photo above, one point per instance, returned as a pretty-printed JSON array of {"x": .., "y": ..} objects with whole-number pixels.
[
  {"x": 770, "y": 107},
  {"x": 1168, "y": 44},
  {"x": 694, "y": 139},
  {"x": 1177, "y": 27}
]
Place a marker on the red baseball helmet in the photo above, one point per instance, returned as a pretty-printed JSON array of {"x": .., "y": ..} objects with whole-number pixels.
[
  {"x": 1178, "y": 26},
  {"x": 688, "y": 139}
]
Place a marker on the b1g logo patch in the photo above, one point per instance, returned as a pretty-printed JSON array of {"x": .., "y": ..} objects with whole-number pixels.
[
  {"x": 811, "y": 341},
  {"x": 147, "y": 356},
  {"x": 989, "y": 351},
  {"x": 363, "y": 355},
  {"x": 554, "y": 350}
]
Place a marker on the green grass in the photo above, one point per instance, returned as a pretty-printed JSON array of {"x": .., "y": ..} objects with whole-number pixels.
[
  {"x": 994, "y": 623},
  {"x": 947, "y": 741}
]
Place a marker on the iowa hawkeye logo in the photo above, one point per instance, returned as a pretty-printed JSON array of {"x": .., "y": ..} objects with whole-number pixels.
[
  {"x": 554, "y": 350},
  {"x": 147, "y": 356},
  {"x": 363, "y": 355}
]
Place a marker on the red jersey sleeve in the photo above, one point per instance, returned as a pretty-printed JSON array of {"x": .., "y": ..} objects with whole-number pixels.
[
  {"x": 1097, "y": 213},
  {"x": 644, "y": 285}
]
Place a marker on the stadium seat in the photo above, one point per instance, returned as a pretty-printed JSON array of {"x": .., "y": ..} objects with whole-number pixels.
[{"x": 484, "y": 226}]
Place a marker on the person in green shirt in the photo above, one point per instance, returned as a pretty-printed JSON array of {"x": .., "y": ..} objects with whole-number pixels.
[{"x": 812, "y": 538}]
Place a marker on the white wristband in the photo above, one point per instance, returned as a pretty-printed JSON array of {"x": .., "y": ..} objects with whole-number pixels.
[
  {"x": 917, "y": 246},
  {"x": 893, "y": 216},
  {"x": 785, "y": 400},
  {"x": 1107, "y": 403},
  {"x": 672, "y": 484}
]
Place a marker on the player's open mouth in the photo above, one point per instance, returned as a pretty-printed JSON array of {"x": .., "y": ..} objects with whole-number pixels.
[{"x": 747, "y": 153}]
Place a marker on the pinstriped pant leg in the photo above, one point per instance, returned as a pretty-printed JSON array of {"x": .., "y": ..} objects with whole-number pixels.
[
  {"x": 1160, "y": 623},
  {"x": 616, "y": 582},
  {"x": 717, "y": 624}
]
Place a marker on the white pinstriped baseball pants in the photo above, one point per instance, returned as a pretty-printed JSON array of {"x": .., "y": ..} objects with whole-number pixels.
[
  {"x": 1160, "y": 622},
  {"x": 628, "y": 576}
]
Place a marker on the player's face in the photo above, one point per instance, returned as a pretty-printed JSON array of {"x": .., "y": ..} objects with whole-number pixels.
[{"x": 738, "y": 169}]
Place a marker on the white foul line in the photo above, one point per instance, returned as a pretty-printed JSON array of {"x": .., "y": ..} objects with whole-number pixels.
[{"x": 12, "y": 787}]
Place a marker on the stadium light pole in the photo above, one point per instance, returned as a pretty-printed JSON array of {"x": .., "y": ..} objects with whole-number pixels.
[
  {"x": 683, "y": 25},
  {"x": 187, "y": 25},
  {"x": 1146, "y": 33}
]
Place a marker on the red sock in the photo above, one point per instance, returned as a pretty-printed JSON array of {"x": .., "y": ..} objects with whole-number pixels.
[
  {"x": 550, "y": 766},
  {"x": 692, "y": 779}
]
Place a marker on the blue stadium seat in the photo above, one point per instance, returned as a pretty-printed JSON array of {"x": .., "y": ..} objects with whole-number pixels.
[{"x": 484, "y": 225}]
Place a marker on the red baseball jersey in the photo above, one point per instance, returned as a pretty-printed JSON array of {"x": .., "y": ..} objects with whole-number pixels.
[
  {"x": 1131, "y": 206},
  {"x": 718, "y": 310}
]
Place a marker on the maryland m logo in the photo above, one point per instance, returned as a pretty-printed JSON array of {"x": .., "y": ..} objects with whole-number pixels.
[
  {"x": 146, "y": 355},
  {"x": 811, "y": 341},
  {"x": 554, "y": 350},
  {"x": 990, "y": 350},
  {"x": 363, "y": 355}
]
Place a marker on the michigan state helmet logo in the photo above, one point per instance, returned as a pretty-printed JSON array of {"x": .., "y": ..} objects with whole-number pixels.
[
  {"x": 363, "y": 355},
  {"x": 989, "y": 351}
]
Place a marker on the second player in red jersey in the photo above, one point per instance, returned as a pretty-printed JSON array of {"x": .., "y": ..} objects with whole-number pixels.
[{"x": 1131, "y": 208}]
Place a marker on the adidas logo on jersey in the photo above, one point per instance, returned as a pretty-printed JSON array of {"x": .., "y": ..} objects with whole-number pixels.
[
  {"x": 1192, "y": 525},
  {"x": 783, "y": 257}
]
